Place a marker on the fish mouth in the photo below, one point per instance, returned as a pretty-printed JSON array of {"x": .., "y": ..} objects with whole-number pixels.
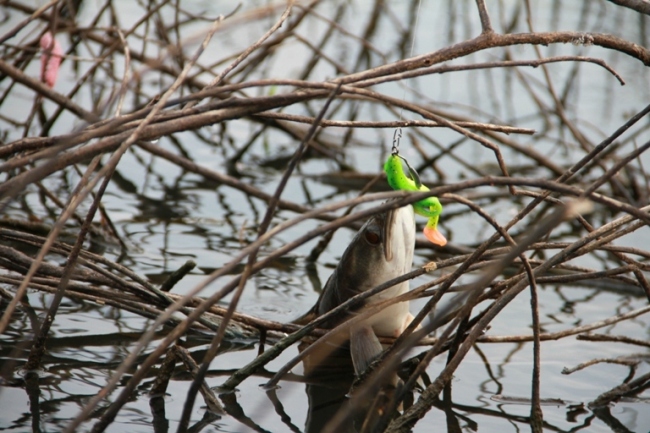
[
  {"x": 389, "y": 230},
  {"x": 398, "y": 232}
]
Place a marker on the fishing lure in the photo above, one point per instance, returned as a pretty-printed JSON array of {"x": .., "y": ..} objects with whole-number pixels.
[{"x": 429, "y": 207}]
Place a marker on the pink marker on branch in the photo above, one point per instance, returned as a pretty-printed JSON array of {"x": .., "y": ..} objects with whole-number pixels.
[{"x": 50, "y": 58}]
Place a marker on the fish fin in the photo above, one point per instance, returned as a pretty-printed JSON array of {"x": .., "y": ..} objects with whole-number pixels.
[
  {"x": 309, "y": 315},
  {"x": 364, "y": 347},
  {"x": 305, "y": 318},
  {"x": 325, "y": 302}
]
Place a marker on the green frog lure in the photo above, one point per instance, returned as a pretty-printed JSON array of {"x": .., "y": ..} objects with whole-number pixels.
[{"x": 430, "y": 207}]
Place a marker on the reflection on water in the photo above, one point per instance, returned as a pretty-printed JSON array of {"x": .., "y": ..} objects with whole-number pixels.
[
  {"x": 167, "y": 216},
  {"x": 76, "y": 367}
]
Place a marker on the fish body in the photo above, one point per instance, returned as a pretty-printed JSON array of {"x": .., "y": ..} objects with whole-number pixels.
[{"x": 380, "y": 251}]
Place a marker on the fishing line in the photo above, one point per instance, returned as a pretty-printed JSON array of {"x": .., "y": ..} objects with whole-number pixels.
[
  {"x": 397, "y": 135},
  {"x": 429, "y": 207}
]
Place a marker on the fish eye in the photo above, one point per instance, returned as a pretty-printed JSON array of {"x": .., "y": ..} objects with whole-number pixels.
[{"x": 372, "y": 237}]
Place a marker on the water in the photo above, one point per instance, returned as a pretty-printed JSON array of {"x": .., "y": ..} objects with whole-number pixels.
[{"x": 167, "y": 216}]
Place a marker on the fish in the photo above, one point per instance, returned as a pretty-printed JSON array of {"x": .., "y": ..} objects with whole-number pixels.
[{"x": 380, "y": 251}]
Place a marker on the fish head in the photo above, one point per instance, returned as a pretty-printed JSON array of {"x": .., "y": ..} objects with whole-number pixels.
[{"x": 380, "y": 251}]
